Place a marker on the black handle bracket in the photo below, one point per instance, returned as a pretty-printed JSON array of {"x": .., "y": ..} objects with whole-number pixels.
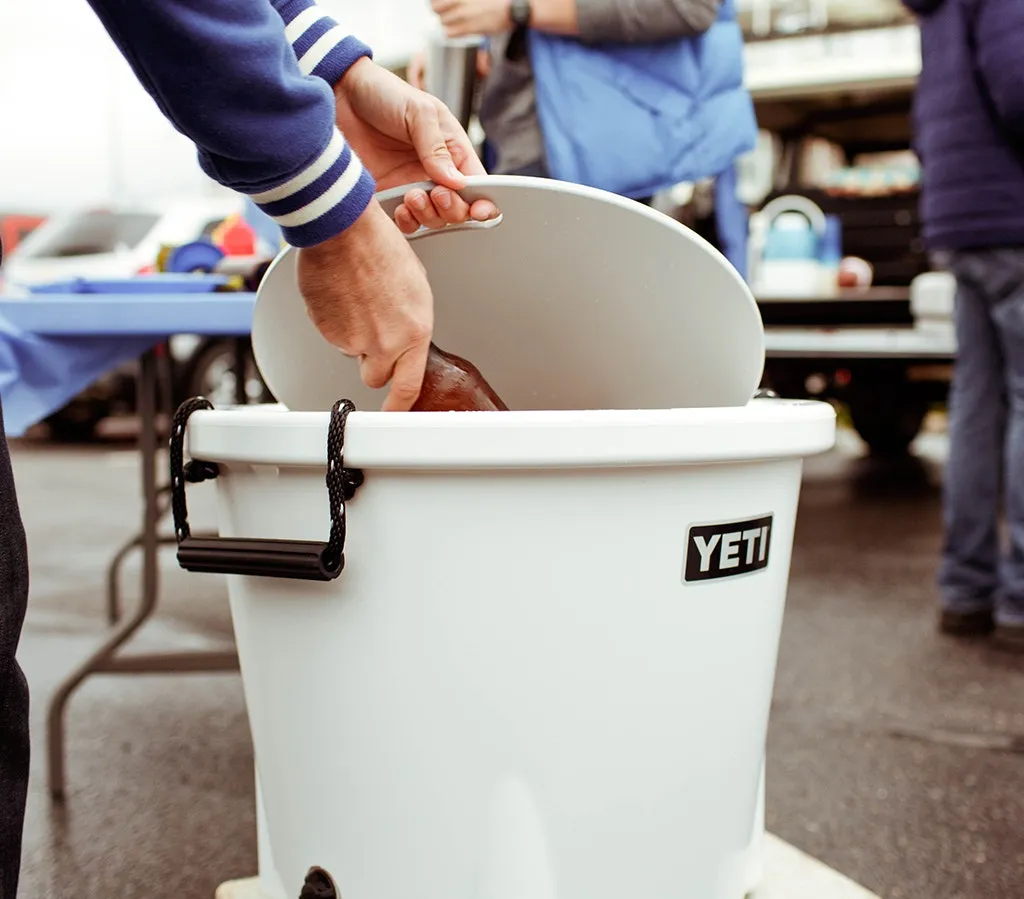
[{"x": 299, "y": 559}]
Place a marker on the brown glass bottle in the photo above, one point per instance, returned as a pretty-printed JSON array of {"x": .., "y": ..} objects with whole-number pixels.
[{"x": 452, "y": 384}]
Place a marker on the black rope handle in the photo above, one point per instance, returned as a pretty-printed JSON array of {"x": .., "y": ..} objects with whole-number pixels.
[
  {"x": 342, "y": 483},
  {"x": 305, "y": 559},
  {"x": 195, "y": 472}
]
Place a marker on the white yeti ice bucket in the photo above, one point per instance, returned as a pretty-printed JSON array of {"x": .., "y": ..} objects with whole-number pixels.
[{"x": 545, "y": 670}]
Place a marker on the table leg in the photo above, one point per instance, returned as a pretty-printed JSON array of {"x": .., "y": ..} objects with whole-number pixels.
[
  {"x": 241, "y": 359},
  {"x": 114, "y": 569},
  {"x": 150, "y": 378},
  {"x": 114, "y": 580},
  {"x": 241, "y": 370},
  {"x": 166, "y": 381},
  {"x": 103, "y": 660},
  {"x": 147, "y": 444}
]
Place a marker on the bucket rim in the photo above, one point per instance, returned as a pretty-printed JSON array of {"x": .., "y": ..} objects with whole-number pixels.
[{"x": 272, "y": 435}]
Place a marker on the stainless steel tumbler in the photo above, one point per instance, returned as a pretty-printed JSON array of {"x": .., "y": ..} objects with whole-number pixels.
[{"x": 451, "y": 73}]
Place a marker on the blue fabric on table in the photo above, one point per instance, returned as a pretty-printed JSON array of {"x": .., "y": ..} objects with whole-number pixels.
[
  {"x": 55, "y": 345},
  {"x": 39, "y": 375}
]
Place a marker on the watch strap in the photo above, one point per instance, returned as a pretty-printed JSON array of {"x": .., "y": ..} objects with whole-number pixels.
[{"x": 520, "y": 12}]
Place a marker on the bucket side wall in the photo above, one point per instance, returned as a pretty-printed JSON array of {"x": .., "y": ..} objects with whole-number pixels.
[{"x": 511, "y": 687}]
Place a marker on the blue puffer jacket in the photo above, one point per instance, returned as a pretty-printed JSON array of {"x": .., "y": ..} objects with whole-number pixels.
[
  {"x": 640, "y": 118},
  {"x": 969, "y": 122}
]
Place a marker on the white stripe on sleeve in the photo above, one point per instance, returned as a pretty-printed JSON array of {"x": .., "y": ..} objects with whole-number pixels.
[
  {"x": 323, "y": 45},
  {"x": 308, "y": 175},
  {"x": 303, "y": 22},
  {"x": 333, "y": 196}
]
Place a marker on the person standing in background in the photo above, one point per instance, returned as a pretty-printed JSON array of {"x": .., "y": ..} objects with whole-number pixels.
[
  {"x": 969, "y": 135},
  {"x": 288, "y": 109},
  {"x": 630, "y": 96}
]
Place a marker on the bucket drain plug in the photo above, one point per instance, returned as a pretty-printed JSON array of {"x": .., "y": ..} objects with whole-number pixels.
[{"x": 319, "y": 885}]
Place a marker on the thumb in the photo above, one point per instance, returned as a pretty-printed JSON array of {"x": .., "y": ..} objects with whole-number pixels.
[
  {"x": 427, "y": 136},
  {"x": 407, "y": 378}
]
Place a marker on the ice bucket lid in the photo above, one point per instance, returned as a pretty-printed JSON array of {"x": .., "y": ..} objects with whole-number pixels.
[{"x": 575, "y": 299}]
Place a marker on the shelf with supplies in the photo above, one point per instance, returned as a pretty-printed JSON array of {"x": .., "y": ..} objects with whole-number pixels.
[{"x": 875, "y": 60}]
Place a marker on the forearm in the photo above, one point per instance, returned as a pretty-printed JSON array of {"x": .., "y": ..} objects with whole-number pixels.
[
  {"x": 554, "y": 16},
  {"x": 224, "y": 74},
  {"x": 641, "y": 21}
]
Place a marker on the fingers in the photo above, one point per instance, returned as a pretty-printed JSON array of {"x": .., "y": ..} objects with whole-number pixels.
[
  {"x": 430, "y": 142},
  {"x": 439, "y": 208},
  {"x": 417, "y": 70},
  {"x": 457, "y": 27},
  {"x": 483, "y": 63},
  {"x": 407, "y": 378},
  {"x": 454, "y": 16},
  {"x": 375, "y": 370},
  {"x": 459, "y": 145},
  {"x": 405, "y": 220},
  {"x": 483, "y": 211},
  {"x": 404, "y": 372}
]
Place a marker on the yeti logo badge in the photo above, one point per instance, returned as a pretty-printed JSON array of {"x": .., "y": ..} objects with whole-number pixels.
[{"x": 727, "y": 550}]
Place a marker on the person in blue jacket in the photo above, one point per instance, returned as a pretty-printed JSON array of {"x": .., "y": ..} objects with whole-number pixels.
[
  {"x": 631, "y": 96},
  {"x": 287, "y": 108},
  {"x": 969, "y": 134}
]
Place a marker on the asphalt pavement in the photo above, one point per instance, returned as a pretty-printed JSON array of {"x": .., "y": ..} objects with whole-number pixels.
[{"x": 895, "y": 755}]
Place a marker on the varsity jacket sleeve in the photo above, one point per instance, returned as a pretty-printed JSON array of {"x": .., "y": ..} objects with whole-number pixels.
[
  {"x": 322, "y": 47},
  {"x": 642, "y": 21},
  {"x": 998, "y": 38},
  {"x": 229, "y": 75}
]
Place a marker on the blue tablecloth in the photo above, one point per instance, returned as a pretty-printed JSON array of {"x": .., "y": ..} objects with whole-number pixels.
[{"x": 53, "y": 346}]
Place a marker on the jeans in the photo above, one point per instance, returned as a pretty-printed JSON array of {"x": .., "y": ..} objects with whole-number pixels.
[
  {"x": 14, "y": 740},
  {"x": 986, "y": 430}
]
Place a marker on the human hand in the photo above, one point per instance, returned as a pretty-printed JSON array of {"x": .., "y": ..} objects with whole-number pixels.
[
  {"x": 403, "y": 135},
  {"x": 416, "y": 71},
  {"x": 367, "y": 293},
  {"x": 462, "y": 18}
]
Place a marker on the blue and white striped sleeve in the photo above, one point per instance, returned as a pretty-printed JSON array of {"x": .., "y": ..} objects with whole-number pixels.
[
  {"x": 322, "y": 47},
  {"x": 225, "y": 74}
]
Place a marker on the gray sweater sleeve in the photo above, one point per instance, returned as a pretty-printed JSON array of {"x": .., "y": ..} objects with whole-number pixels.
[{"x": 640, "y": 21}]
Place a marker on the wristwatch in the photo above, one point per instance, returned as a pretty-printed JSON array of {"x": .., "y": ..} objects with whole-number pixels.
[{"x": 520, "y": 13}]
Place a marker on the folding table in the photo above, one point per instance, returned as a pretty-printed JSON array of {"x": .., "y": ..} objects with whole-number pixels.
[{"x": 39, "y": 333}]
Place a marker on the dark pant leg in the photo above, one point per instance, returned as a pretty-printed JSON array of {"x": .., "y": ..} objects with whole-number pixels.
[
  {"x": 14, "y": 738},
  {"x": 969, "y": 575},
  {"x": 1001, "y": 272}
]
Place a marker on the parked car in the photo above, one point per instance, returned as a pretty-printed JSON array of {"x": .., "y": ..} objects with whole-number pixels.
[
  {"x": 113, "y": 242},
  {"x": 119, "y": 242}
]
